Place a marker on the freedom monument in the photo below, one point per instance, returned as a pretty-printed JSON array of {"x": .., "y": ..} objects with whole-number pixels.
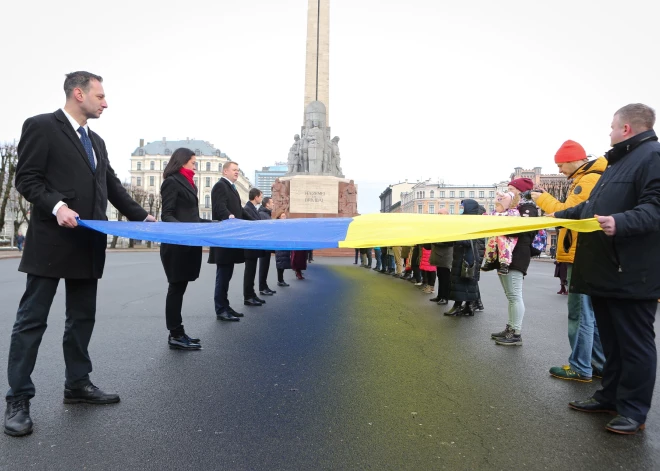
[{"x": 314, "y": 185}]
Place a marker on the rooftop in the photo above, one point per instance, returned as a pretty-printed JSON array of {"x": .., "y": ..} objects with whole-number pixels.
[{"x": 165, "y": 147}]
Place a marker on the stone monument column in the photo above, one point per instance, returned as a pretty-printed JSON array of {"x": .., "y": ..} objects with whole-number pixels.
[{"x": 317, "y": 63}]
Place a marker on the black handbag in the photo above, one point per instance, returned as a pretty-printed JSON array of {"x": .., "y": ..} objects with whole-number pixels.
[{"x": 467, "y": 272}]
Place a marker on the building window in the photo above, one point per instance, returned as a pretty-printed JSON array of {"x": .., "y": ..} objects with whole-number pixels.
[
  {"x": 442, "y": 194},
  {"x": 207, "y": 201},
  {"x": 217, "y": 152},
  {"x": 195, "y": 180},
  {"x": 139, "y": 165},
  {"x": 198, "y": 152},
  {"x": 492, "y": 207},
  {"x": 451, "y": 194},
  {"x": 152, "y": 165},
  {"x": 451, "y": 209},
  {"x": 491, "y": 194},
  {"x": 208, "y": 182},
  {"x": 420, "y": 208},
  {"x": 461, "y": 194},
  {"x": 472, "y": 194},
  {"x": 481, "y": 194},
  {"x": 442, "y": 205},
  {"x": 168, "y": 152},
  {"x": 431, "y": 209},
  {"x": 432, "y": 194},
  {"x": 220, "y": 168},
  {"x": 152, "y": 181},
  {"x": 196, "y": 166},
  {"x": 141, "y": 152},
  {"x": 208, "y": 166},
  {"x": 138, "y": 182}
]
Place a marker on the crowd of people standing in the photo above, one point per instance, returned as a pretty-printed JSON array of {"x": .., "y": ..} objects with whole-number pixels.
[{"x": 613, "y": 284}]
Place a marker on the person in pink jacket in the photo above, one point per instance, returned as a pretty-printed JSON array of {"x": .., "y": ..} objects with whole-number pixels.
[{"x": 428, "y": 270}]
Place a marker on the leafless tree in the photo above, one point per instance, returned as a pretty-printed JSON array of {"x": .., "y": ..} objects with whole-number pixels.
[{"x": 8, "y": 161}]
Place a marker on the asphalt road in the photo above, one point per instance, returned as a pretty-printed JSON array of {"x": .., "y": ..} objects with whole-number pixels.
[{"x": 348, "y": 369}]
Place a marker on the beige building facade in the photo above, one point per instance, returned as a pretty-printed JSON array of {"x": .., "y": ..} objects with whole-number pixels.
[
  {"x": 428, "y": 198},
  {"x": 148, "y": 162}
]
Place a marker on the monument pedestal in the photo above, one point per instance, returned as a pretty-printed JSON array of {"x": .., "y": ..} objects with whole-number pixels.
[{"x": 313, "y": 196}]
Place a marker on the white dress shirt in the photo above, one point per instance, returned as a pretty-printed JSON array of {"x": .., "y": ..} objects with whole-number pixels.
[{"x": 75, "y": 125}]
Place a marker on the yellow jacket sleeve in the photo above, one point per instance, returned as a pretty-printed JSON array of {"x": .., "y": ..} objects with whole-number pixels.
[{"x": 550, "y": 204}]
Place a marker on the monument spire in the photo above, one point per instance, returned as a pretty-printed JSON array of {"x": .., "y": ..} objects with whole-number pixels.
[{"x": 317, "y": 63}]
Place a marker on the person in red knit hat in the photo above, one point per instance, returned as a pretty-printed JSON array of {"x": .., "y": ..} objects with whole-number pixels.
[{"x": 587, "y": 359}]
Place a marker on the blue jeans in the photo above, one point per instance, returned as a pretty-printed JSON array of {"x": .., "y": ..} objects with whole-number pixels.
[
  {"x": 586, "y": 349},
  {"x": 513, "y": 286},
  {"x": 391, "y": 266},
  {"x": 377, "y": 253}
]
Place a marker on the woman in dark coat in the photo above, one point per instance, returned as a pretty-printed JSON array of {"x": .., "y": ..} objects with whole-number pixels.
[
  {"x": 181, "y": 263},
  {"x": 282, "y": 257},
  {"x": 466, "y": 290}
]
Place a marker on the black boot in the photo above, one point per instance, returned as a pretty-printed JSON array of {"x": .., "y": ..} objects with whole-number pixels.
[
  {"x": 455, "y": 309},
  {"x": 17, "y": 418},
  {"x": 468, "y": 309}
]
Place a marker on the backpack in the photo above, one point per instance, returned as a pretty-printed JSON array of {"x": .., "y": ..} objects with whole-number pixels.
[{"x": 537, "y": 244}]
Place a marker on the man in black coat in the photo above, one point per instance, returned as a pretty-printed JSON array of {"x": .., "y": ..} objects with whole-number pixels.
[
  {"x": 226, "y": 204},
  {"x": 617, "y": 267},
  {"x": 250, "y": 213},
  {"x": 64, "y": 171},
  {"x": 265, "y": 213}
]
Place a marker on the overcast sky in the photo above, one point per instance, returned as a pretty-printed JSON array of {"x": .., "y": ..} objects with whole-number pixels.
[{"x": 458, "y": 91}]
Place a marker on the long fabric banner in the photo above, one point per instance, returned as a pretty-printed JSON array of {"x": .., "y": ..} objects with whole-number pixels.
[{"x": 371, "y": 230}]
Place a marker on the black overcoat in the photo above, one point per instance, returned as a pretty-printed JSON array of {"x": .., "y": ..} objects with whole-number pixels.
[
  {"x": 225, "y": 201},
  {"x": 466, "y": 289},
  {"x": 52, "y": 167},
  {"x": 250, "y": 213},
  {"x": 180, "y": 204}
]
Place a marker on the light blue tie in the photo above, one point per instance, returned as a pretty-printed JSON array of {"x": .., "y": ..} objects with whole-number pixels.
[{"x": 87, "y": 144}]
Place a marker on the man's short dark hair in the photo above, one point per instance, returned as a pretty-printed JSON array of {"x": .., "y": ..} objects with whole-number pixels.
[
  {"x": 266, "y": 200},
  {"x": 640, "y": 117},
  {"x": 80, "y": 80},
  {"x": 254, "y": 192}
]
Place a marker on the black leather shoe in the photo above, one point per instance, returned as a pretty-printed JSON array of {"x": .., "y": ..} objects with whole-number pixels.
[
  {"x": 592, "y": 405},
  {"x": 282, "y": 283},
  {"x": 442, "y": 302},
  {"x": 234, "y": 313},
  {"x": 182, "y": 343},
  {"x": 252, "y": 302},
  {"x": 624, "y": 425},
  {"x": 89, "y": 394},
  {"x": 262, "y": 301},
  {"x": 17, "y": 418},
  {"x": 266, "y": 292},
  {"x": 192, "y": 339},
  {"x": 227, "y": 316},
  {"x": 455, "y": 310}
]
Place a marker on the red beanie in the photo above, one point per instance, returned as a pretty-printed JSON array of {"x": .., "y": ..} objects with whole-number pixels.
[
  {"x": 522, "y": 184},
  {"x": 570, "y": 151}
]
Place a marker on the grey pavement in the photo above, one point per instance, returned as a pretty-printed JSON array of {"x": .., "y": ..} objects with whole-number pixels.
[{"x": 348, "y": 369}]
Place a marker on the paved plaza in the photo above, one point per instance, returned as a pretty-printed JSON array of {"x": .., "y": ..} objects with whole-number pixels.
[{"x": 348, "y": 369}]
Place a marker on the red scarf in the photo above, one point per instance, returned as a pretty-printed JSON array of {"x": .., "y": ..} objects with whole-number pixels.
[{"x": 188, "y": 174}]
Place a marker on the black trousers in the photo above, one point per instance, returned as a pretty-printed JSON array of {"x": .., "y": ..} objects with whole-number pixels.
[
  {"x": 628, "y": 338},
  {"x": 31, "y": 323},
  {"x": 173, "y": 304},
  {"x": 280, "y": 275},
  {"x": 264, "y": 266},
  {"x": 223, "y": 274},
  {"x": 444, "y": 282},
  {"x": 428, "y": 277},
  {"x": 248, "y": 278}
]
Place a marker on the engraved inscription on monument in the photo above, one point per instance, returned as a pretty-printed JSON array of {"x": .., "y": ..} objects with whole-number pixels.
[{"x": 314, "y": 196}]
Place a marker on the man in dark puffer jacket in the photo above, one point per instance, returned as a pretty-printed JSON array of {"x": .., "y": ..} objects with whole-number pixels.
[{"x": 618, "y": 268}]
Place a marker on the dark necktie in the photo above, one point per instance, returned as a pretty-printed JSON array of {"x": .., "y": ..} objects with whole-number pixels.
[
  {"x": 87, "y": 144},
  {"x": 234, "y": 187}
]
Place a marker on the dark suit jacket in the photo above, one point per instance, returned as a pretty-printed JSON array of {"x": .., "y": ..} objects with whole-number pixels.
[
  {"x": 52, "y": 167},
  {"x": 180, "y": 204},
  {"x": 225, "y": 201},
  {"x": 250, "y": 213}
]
